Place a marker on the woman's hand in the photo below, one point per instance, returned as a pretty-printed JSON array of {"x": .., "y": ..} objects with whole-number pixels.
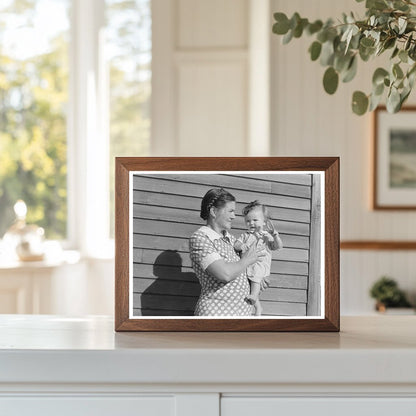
[{"x": 252, "y": 255}]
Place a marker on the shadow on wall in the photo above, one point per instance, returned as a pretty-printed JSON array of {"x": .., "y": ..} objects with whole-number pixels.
[{"x": 174, "y": 292}]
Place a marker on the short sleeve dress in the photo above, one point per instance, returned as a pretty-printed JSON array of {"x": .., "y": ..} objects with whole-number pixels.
[{"x": 217, "y": 298}]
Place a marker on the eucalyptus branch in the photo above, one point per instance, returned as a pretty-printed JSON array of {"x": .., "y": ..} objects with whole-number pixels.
[{"x": 388, "y": 25}]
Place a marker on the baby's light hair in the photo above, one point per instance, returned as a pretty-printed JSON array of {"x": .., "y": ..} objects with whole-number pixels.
[{"x": 254, "y": 205}]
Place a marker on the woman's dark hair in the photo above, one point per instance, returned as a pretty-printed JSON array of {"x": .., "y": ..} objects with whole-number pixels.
[{"x": 216, "y": 197}]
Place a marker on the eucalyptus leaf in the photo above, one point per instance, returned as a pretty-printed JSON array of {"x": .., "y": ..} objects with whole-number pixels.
[
  {"x": 395, "y": 52},
  {"x": 379, "y": 75},
  {"x": 389, "y": 43},
  {"x": 400, "y": 5},
  {"x": 374, "y": 102},
  {"x": 288, "y": 37},
  {"x": 315, "y": 50},
  {"x": 402, "y": 22},
  {"x": 376, "y": 4},
  {"x": 314, "y": 27},
  {"x": 281, "y": 26},
  {"x": 359, "y": 103},
  {"x": 403, "y": 56},
  {"x": 341, "y": 62},
  {"x": 378, "y": 89},
  {"x": 366, "y": 53},
  {"x": 327, "y": 54},
  {"x": 393, "y": 101},
  {"x": 408, "y": 42},
  {"x": 397, "y": 71},
  {"x": 350, "y": 73},
  {"x": 367, "y": 42},
  {"x": 330, "y": 80},
  {"x": 298, "y": 30}
]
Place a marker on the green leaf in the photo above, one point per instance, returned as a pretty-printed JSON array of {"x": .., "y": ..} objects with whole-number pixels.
[
  {"x": 403, "y": 56},
  {"x": 314, "y": 27},
  {"x": 395, "y": 53},
  {"x": 315, "y": 50},
  {"x": 393, "y": 101},
  {"x": 367, "y": 42},
  {"x": 366, "y": 53},
  {"x": 402, "y": 25},
  {"x": 298, "y": 30},
  {"x": 389, "y": 43},
  {"x": 374, "y": 101},
  {"x": 330, "y": 80},
  {"x": 359, "y": 103},
  {"x": 400, "y": 5},
  {"x": 397, "y": 71},
  {"x": 378, "y": 89},
  {"x": 281, "y": 27},
  {"x": 404, "y": 95},
  {"x": 327, "y": 53},
  {"x": 351, "y": 71},
  {"x": 288, "y": 37},
  {"x": 376, "y": 4},
  {"x": 408, "y": 42},
  {"x": 379, "y": 75}
]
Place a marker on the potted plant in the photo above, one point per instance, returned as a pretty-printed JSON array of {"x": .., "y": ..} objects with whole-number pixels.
[
  {"x": 389, "y": 27},
  {"x": 387, "y": 294}
]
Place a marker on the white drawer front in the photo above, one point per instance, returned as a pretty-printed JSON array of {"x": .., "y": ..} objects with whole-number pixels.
[
  {"x": 272, "y": 406},
  {"x": 87, "y": 406}
]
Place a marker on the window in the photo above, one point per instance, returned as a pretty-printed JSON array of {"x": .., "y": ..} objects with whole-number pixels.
[
  {"x": 75, "y": 87},
  {"x": 129, "y": 46},
  {"x": 33, "y": 98}
]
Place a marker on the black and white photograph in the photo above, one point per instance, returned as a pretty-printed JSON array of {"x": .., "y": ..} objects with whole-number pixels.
[{"x": 226, "y": 244}]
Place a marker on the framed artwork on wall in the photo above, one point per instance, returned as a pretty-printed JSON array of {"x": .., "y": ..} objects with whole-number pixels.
[
  {"x": 227, "y": 244},
  {"x": 394, "y": 179}
]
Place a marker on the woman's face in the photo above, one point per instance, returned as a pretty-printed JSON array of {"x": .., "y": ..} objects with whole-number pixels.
[{"x": 225, "y": 215}]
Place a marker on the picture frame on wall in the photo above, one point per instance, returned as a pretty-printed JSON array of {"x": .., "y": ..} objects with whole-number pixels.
[
  {"x": 196, "y": 238},
  {"x": 394, "y": 150}
]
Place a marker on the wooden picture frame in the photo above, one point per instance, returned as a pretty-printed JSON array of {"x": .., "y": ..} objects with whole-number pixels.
[
  {"x": 157, "y": 204},
  {"x": 394, "y": 158}
]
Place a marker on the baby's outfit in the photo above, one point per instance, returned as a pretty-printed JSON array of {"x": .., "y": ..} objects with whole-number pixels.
[{"x": 261, "y": 268}]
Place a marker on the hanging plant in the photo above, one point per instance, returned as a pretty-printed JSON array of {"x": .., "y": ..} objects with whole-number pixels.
[{"x": 388, "y": 27}]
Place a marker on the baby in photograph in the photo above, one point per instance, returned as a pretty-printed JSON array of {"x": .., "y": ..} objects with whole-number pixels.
[{"x": 262, "y": 233}]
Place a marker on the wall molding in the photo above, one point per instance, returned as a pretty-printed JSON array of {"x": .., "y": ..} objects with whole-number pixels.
[{"x": 377, "y": 245}]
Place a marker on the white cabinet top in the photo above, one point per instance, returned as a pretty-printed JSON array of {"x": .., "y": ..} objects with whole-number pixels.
[{"x": 49, "y": 349}]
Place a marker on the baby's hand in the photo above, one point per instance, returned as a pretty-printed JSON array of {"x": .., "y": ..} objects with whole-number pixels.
[
  {"x": 267, "y": 236},
  {"x": 244, "y": 247},
  {"x": 270, "y": 227}
]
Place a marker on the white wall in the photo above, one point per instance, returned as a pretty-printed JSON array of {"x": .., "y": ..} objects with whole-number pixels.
[
  {"x": 308, "y": 122},
  {"x": 203, "y": 94}
]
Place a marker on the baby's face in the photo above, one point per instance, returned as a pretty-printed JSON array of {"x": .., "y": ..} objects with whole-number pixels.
[{"x": 255, "y": 220}]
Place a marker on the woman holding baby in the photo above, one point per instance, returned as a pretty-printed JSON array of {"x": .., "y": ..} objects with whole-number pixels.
[{"x": 225, "y": 289}]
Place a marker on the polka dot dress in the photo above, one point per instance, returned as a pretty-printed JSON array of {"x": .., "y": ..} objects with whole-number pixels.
[{"x": 218, "y": 298}]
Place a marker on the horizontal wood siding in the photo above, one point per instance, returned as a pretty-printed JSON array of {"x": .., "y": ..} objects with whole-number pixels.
[{"x": 165, "y": 214}]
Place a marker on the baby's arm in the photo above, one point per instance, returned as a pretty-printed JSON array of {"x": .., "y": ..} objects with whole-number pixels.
[{"x": 273, "y": 240}]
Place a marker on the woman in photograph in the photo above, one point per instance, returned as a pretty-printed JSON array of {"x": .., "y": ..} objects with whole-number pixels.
[{"x": 221, "y": 272}]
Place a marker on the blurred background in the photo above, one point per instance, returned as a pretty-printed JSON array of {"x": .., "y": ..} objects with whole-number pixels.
[{"x": 83, "y": 81}]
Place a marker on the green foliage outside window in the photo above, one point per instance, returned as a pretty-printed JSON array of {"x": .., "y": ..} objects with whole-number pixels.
[{"x": 33, "y": 97}]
